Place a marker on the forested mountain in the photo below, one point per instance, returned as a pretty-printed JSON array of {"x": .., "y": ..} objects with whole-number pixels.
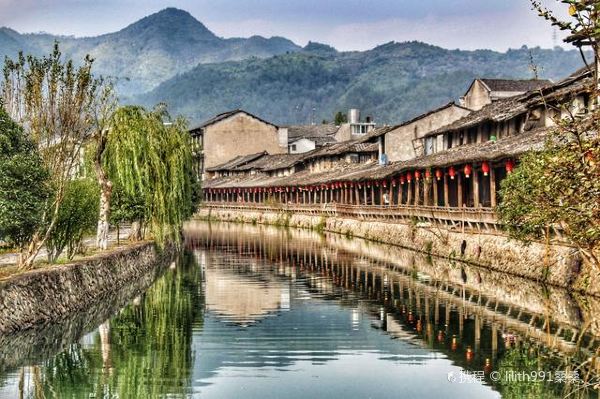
[
  {"x": 391, "y": 82},
  {"x": 172, "y": 57},
  {"x": 150, "y": 50}
]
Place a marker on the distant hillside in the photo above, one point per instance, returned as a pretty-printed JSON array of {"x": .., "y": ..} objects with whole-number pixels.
[
  {"x": 150, "y": 50},
  {"x": 392, "y": 82}
]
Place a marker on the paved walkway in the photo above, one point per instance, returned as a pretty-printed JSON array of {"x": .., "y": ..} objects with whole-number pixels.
[{"x": 10, "y": 258}]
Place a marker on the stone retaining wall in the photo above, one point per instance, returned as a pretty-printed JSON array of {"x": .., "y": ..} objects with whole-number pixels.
[
  {"x": 51, "y": 294},
  {"x": 556, "y": 265}
]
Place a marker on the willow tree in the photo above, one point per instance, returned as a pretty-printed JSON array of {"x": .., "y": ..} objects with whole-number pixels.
[
  {"x": 57, "y": 103},
  {"x": 149, "y": 159}
]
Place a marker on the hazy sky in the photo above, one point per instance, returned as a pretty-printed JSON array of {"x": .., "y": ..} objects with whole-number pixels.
[{"x": 345, "y": 24}]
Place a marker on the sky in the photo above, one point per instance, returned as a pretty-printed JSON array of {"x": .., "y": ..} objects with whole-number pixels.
[{"x": 344, "y": 24}]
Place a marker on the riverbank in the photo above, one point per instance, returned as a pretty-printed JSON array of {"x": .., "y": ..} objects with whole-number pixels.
[
  {"x": 50, "y": 294},
  {"x": 555, "y": 264}
]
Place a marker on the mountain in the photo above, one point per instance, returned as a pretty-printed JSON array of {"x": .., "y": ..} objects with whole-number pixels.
[
  {"x": 150, "y": 50},
  {"x": 392, "y": 82},
  {"x": 171, "y": 57}
]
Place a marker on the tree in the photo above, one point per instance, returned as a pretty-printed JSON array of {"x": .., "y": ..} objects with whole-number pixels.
[
  {"x": 58, "y": 104},
  {"x": 340, "y": 118},
  {"x": 76, "y": 218},
  {"x": 559, "y": 187},
  {"x": 24, "y": 187},
  {"x": 582, "y": 28},
  {"x": 150, "y": 159}
]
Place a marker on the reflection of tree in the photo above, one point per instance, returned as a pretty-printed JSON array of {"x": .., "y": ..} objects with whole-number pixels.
[
  {"x": 149, "y": 354},
  {"x": 530, "y": 359}
]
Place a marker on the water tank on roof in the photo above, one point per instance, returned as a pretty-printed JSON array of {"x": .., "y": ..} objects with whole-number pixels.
[{"x": 354, "y": 115}]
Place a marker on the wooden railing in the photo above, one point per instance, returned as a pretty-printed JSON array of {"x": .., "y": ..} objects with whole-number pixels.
[{"x": 458, "y": 218}]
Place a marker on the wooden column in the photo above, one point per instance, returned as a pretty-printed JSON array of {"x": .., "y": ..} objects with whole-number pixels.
[
  {"x": 446, "y": 191},
  {"x": 365, "y": 194},
  {"x": 435, "y": 192},
  {"x": 475, "y": 178},
  {"x": 426, "y": 192},
  {"x": 492, "y": 187},
  {"x": 356, "y": 195},
  {"x": 399, "y": 193},
  {"x": 381, "y": 192},
  {"x": 459, "y": 190},
  {"x": 417, "y": 191},
  {"x": 409, "y": 196},
  {"x": 372, "y": 194}
]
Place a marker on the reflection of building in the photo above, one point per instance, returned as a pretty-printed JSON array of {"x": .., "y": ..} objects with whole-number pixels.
[{"x": 252, "y": 301}]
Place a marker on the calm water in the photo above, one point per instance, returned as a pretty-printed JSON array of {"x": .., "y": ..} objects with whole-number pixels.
[{"x": 258, "y": 312}]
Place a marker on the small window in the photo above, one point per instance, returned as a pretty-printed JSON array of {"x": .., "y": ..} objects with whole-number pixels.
[{"x": 293, "y": 147}]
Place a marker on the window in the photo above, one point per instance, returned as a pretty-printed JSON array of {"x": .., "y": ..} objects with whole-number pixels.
[
  {"x": 293, "y": 147},
  {"x": 429, "y": 145}
]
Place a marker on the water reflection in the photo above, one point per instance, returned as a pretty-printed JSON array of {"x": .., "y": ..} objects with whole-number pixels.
[{"x": 260, "y": 312}]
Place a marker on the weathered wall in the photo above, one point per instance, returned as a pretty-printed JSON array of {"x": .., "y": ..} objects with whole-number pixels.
[
  {"x": 237, "y": 135},
  {"x": 51, "y": 294},
  {"x": 399, "y": 142},
  {"x": 477, "y": 97},
  {"x": 556, "y": 265},
  {"x": 302, "y": 145}
]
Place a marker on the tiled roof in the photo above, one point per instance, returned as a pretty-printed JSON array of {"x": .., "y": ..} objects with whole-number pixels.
[
  {"x": 225, "y": 115},
  {"x": 512, "y": 85},
  {"x": 237, "y": 162}
]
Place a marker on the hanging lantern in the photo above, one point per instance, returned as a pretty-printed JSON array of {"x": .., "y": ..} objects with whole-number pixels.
[
  {"x": 417, "y": 175},
  {"x": 485, "y": 167},
  {"x": 468, "y": 169},
  {"x": 408, "y": 177},
  {"x": 510, "y": 165},
  {"x": 402, "y": 179},
  {"x": 427, "y": 174},
  {"x": 377, "y": 184},
  {"x": 369, "y": 184},
  {"x": 384, "y": 183},
  {"x": 394, "y": 182},
  {"x": 439, "y": 174},
  {"x": 451, "y": 172}
]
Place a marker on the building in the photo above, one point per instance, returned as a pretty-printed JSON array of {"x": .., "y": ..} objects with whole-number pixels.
[
  {"x": 404, "y": 141},
  {"x": 465, "y": 171},
  {"x": 485, "y": 91},
  {"x": 232, "y": 134},
  {"x": 305, "y": 138},
  {"x": 355, "y": 128}
]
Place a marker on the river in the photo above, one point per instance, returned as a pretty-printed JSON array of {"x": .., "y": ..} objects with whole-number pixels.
[{"x": 262, "y": 312}]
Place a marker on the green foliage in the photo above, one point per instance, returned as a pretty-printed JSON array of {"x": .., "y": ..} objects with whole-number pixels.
[
  {"x": 393, "y": 82},
  {"x": 558, "y": 186},
  {"x": 151, "y": 162},
  {"x": 125, "y": 208},
  {"x": 340, "y": 118},
  {"x": 24, "y": 187},
  {"x": 77, "y": 217}
]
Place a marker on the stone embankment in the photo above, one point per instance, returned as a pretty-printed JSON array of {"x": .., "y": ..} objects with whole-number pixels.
[
  {"x": 554, "y": 264},
  {"x": 51, "y": 294}
]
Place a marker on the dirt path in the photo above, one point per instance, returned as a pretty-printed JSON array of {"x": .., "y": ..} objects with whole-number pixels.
[{"x": 10, "y": 258}]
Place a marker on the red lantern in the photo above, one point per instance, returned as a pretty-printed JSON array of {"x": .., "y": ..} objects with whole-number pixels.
[
  {"x": 428, "y": 174},
  {"x": 408, "y": 177},
  {"x": 468, "y": 169},
  {"x": 394, "y": 182},
  {"x": 439, "y": 174},
  {"x": 368, "y": 184},
  {"x": 376, "y": 184},
  {"x": 417, "y": 175},
  {"x": 402, "y": 180},
  {"x": 485, "y": 167},
  {"x": 384, "y": 184},
  {"x": 451, "y": 172},
  {"x": 510, "y": 165}
]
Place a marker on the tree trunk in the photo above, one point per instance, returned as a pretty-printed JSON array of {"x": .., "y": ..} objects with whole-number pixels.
[
  {"x": 136, "y": 231},
  {"x": 105, "y": 195},
  {"x": 103, "y": 217}
]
